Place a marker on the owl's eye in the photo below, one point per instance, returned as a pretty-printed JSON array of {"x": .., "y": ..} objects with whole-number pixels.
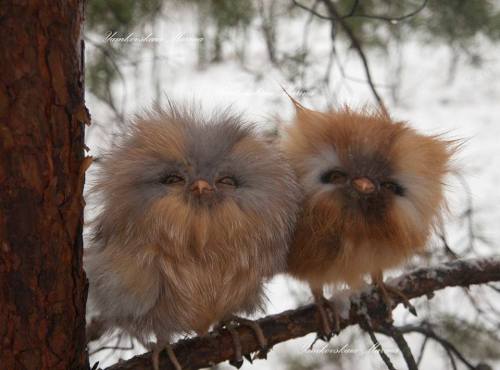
[
  {"x": 394, "y": 187},
  {"x": 228, "y": 180},
  {"x": 333, "y": 177},
  {"x": 172, "y": 179}
]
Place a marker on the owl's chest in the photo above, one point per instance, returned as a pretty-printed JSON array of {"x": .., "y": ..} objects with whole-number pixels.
[
  {"x": 313, "y": 249},
  {"x": 213, "y": 263},
  {"x": 328, "y": 256},
  {"x": 355, "y": 260},
  {"x": 205, "y": 288}
]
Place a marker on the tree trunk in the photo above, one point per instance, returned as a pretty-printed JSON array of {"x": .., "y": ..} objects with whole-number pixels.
[{"x": 42, "y": 116}]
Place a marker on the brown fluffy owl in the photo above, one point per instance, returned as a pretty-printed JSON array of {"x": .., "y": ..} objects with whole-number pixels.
[
  {"x": 373, "y": 192},
  {"x": 195, "y": 215}
]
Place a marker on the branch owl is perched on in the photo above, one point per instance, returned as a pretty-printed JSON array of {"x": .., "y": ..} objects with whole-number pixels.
[
  {"x": 373, "y": 193},
  {"x": 196, "y": 214}
]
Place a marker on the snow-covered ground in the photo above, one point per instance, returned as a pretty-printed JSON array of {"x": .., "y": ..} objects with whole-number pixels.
[{"x": 467, "y": 108}]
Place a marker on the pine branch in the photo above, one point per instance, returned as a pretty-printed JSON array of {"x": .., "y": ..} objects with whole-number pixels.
[{"x": 206, "y": 351}]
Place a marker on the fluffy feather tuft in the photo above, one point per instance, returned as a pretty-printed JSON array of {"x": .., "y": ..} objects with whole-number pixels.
[
  {"x": 168, "y": 256},
  {"x": 344, "y": 234}
]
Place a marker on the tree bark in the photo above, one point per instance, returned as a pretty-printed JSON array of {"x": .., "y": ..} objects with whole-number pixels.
[{"x": 42, "y": 116}]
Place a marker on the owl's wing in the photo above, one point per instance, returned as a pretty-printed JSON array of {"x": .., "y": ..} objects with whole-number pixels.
[{"x": 120, "y": 285}]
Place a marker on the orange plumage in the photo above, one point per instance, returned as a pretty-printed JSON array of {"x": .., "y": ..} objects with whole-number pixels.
[{"x": 373, "y": 194}]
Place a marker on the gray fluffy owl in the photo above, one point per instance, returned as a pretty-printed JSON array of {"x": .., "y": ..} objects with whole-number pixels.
[{"x": 195, "y": 215}]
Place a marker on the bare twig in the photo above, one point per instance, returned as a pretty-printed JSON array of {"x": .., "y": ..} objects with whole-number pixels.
[
  {"x": 378, "y": 346},
  {"x": 403, "y": 346},
  {"x": 452, "y": 359},
  {"x": 449, "y": 252},
  {"x": 116, "y": 346},
  {"x": 109, "y": 99},
  {"x": 311, "y": 10},
  {"x": 422, "y": 350},
  {"x": 356, "y": 44},
  {"x": 305, "y": 39},
  {"x": 426, "y": 329},
  {"x": 334, "y": 16},
  {"x": 206, "y": 351},
  {"x": 386, "y": 18},
  {"x": 468, "y": 213},
  {"x": 268, "y": 25},
  {"x": 354, "y": 7}
]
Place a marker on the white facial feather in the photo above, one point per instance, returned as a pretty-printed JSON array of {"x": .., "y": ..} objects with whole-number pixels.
[{"x": 325, "y": 160}]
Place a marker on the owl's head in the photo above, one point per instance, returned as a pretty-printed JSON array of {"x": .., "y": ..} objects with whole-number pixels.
[
  {"x": 367, "y": 178},
  {"x": 180, "y": 179}
]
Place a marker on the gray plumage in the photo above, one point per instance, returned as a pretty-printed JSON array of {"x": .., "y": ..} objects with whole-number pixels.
[{"x": 167, "y": 259}]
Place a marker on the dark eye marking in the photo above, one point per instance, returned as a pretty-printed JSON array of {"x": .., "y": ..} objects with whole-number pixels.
[
  {"x": 394, "y": 187},
  {"x": 171, "y": 179},
  {"x": 333, "y": 177},
  {"x": 228, "y": 180}
]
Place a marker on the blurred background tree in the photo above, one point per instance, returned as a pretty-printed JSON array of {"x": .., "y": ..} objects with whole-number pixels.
[{"x": 378, "y": 24}]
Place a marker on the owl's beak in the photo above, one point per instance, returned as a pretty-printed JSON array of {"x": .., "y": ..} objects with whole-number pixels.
[
  {"x": 364, "y": 185},
  {"x": 201, "y": 186}
]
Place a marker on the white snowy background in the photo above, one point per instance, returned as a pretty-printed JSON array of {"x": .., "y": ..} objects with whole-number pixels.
[{"x": 467, "y": 108}]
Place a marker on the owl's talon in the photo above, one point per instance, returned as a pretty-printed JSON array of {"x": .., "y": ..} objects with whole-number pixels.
[
  {"x": 172, "y": 357},
  {"x": 249, "y": 357},
  {"x": 236, "y": 364},
  {"x": 238, "y": 359},
  {"x": 259, "y": 334},
  {"x": 389, "y": 303},
  {"x": 230, "y": 327},
  {"x": 155, "y": 357},
  {"x": 261, "y": 355},
  {"x": 336, "y": 316},
  {"x": 326, "y": 331},
  {"x": 412, "y": 310},
  {"x": 229, "y": 324},
  {"x": 324, "y": 305},
  {"x": 404, "y": 298}
]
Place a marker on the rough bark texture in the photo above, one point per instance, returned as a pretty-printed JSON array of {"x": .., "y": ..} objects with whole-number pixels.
[
  {"x": 42, "y": 115},
  {"x": 201, "y": 352}
]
